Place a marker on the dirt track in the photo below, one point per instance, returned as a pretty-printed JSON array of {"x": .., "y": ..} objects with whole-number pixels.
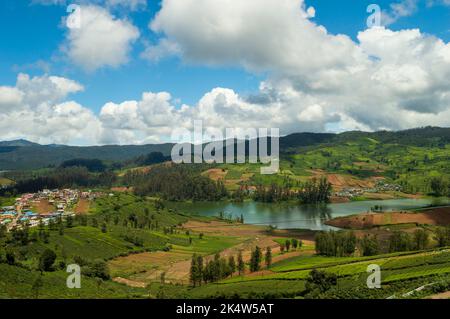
[{"x": 443, "y": 295}]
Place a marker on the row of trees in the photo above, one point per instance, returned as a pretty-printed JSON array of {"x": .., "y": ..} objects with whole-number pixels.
[
  {"x": 220, "y": 267},
  {"x": 313, "y": 191},
  {"x": 337, "y": 244},
  {"x": 344, "y": 243},
  {"x": 214, "y": 270}
]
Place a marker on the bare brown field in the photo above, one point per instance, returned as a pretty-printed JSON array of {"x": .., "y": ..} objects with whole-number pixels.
[
  {"x": 216, "y": 174},
  {"x": 443, "y": 295},
  {"x": 44, "y": 207},
  {"x": 435, "y": 217},
  {"x": 339, "y": 181},
  {"x": 82, "y": 207},
  {"x": 144, "y": 268},
  {"x": 122, "y": 189}
]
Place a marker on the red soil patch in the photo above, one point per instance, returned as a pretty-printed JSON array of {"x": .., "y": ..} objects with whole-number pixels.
[
  {"x": 130, "y": 283},
  {"x": 82, "y": 207},
  {"x": 122, "y": 189},
  {"x": 340, "y": 181},
  {"x": 44, "y": 207},
  {"x": 216, "y": 174},
  {"x": 443, "y": 295},
  {"x": 435, "y": 217},
  {"x": 148, "y": 267}
]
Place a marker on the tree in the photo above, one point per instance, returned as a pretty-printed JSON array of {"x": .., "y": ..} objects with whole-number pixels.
[
  {"x": 319, "y": 282},
  {"x": 282, "y": 248},
  {"x": 2, "y": 231},
  {"x": 294, "y": 243},
  {"x": 194, "y": 271},
  {"x": 46, "y": 260},
  {"x": 288, "y": 244},
  {"x": 199, "y": 274},
  {"x": 268, "y": 257},
  {"x": 421, "y": 239},
  {"x": 232, "y": 264},
  {"x": 255, "y": 260},
  {"x": 440, "y": 186},
  {"x": 369, "y": 245},
  {"x": 69, "y": 222},
  {"x": 99, "y": 269},
  {"x": 400, "y": 241},
  {"x": 241, "y": 264},
  {"x": 10, "y": 258},
  {"x": 338, "y": 244},
  {"x": 443, "y": 236},
  {"x": 61, "y": 230},
  {"x": 37, "y": 285}
]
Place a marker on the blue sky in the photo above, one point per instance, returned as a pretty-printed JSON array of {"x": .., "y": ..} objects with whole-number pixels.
[{"x": 33, "y": 35}]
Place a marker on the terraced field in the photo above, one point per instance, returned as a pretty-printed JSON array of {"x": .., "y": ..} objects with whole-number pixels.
[{"x": 400, "y": 272}]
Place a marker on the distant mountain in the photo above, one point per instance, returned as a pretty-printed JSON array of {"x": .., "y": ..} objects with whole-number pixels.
[
  {"x": 34, "y": 156},
  {"x": 22, "y": 154},
  {"x": 17, "y": 143}
]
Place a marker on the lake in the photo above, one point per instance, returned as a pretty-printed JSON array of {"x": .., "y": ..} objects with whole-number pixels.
[{"x": 289, "y": 216}]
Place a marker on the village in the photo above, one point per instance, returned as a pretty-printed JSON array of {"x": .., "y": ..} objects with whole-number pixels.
[
  {"x": 59, "y": 203},
  {"x": 380, "y": 187}
]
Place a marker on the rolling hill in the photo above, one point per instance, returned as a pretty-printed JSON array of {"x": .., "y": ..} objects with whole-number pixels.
[{"x": 22, "y": 154}]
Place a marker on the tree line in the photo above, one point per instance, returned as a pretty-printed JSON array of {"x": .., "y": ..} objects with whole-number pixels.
[
  {"x": 68, "y": 177},
  {"x": 313, "y": 191},
  {"x": 176, "y": 183},
  {"x": 204, "y": 272},
  {"x": 345, "y": 243}
]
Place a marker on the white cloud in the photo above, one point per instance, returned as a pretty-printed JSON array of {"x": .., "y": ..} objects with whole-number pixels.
[
  {"x": 102, "y": 40},
  {"x": 10, "y": 97},
  {"x": 388, "y": 79},
  {"x": 315, "y": 80},
  {"x": 36, "y": 109},
  {"x": 125, "y": 4},
  {"x": 398, "y": 10}
]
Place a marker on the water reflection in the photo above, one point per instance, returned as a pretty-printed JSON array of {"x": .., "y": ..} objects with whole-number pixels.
[{"x": 288, "y": 216}]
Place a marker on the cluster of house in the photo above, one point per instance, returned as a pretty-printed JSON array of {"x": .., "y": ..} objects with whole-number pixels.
[
  {"x": 380, "y": 187},
  {"x": 62, "y": 201},
  {"x": 7, "y": 214}
]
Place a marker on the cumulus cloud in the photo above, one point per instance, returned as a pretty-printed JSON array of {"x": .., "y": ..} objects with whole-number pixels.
[
  {"x": 398, "y": 10},
  {"x": 101, "y": 40},
  {"x": 387, "y": 79},
  {"x": 125, "y": 4},
  {"x": 315, "y": 80},
  {"x": 36, "y": 109}
]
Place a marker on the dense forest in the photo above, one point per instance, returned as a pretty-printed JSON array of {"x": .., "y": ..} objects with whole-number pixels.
[
  {"x": 315, "y": 191},
  {"x": 176, "y": 182},
  {"x": 61, "y": 178}
]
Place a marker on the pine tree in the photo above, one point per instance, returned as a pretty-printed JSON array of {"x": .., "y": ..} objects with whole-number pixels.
[
  {"x": 241, "y": 264},
  {"x": 255, "y": 261},
  {"x": 232, "y": 264},
  {"x": 193, "y": 275},
  {"x": 268, "y": 257}
]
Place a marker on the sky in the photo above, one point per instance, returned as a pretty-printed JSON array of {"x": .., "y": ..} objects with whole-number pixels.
[{"x": 133, "y": 71}]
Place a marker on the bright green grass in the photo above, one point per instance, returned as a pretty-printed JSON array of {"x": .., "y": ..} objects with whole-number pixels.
[{"x": 17, "y": 282}]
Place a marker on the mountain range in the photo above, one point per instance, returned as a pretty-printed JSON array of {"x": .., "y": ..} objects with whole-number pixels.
[{"x": 23, "y": 154}]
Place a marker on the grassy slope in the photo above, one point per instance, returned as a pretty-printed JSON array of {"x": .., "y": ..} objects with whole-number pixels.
[
  {"x": 362, "y": 158},
  {"x": 400, "y": 273}
]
